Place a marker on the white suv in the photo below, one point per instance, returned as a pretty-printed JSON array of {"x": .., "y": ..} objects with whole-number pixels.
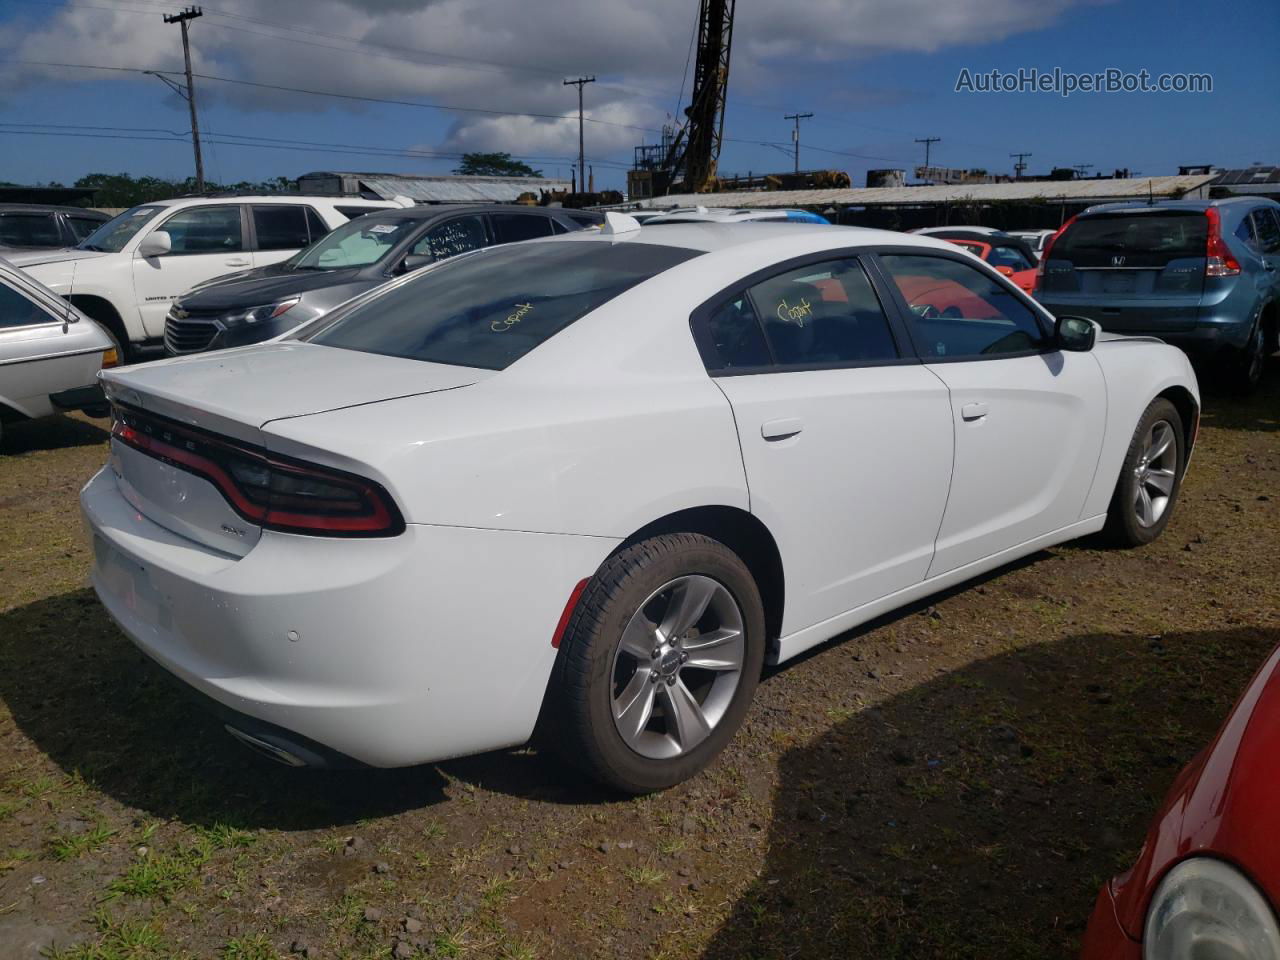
[{"x": 127, "y": 272}]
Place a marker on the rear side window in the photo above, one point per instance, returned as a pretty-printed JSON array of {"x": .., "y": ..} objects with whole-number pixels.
[
  {"x": 29, "y": 230},
  {"x": 1010, "y": 257},
  {"x": 281, "y": 226},
  {"x": 17, "y": 311},
  {"x": 1140, "y": 240},
  {"x": 823, "y": 314},
  {"x": 1267, "y": 225},
  {"x": 489, "y": 310},
  {"x": 957, "y": 311},
  {"x": 512, "y": 227},
  {"x": 584, "y": 219}
]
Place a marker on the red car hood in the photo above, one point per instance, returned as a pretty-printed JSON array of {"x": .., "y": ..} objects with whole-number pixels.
[{"x": 1223, "y": 804}]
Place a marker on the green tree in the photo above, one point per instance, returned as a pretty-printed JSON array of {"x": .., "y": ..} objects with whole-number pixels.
[{"x": 494, "y": 165}]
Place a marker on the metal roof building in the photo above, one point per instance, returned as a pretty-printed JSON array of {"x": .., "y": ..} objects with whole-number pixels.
[
  {"x": 426, "y": 188},
  {"x": 1256, "y": 180},
  {"x": 1088, "y": 191}
]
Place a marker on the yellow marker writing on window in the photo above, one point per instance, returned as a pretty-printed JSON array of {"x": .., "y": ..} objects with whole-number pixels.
[
  {"x": 502, "y": 326},
  {"x": 796, "y": 314}
]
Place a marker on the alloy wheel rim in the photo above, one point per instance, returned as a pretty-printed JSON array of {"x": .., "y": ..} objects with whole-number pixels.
[
  {"x": 1155, "y": 474},
  {"x": 677, "y": 666}
]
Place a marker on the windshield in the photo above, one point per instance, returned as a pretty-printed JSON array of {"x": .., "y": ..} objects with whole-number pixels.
[
  {"x": 112, "y": 236},
  {"x": 490, "y": 309},
  {"x": 355, "y": 244}
]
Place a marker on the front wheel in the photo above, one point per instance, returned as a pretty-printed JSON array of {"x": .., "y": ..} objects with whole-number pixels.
[
  {"x": 659, "y": 662},
  {"x": 1150, "y": 478}
]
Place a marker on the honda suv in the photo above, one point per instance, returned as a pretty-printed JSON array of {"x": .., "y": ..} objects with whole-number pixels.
[{"x": 1202, "y": 274}]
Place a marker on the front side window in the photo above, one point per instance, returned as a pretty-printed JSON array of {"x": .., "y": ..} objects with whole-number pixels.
[
  {"x": 81, "y": 227},
  {"x": 512, "y": 227},
  {"x": 958, "y": 311},
  {"x": 490, "y": 309},
  {"x": 112, "y": 236},
  {"x": 357, "y": 243},
  {"x": 205, "y": 230},
  {"x": 17, "y": 310},
  {"x": 281, "y": 226},
  {"x": 29, "y": 230},
  {"x": 452, "y": 238}
]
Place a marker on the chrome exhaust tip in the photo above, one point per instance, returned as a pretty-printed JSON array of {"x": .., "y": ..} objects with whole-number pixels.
[{"x": 268, "y": 750}]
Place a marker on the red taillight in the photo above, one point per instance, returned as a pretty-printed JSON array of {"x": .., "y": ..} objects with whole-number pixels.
[
  {"x": 1048, "y": 247},
  {"x": 1218, "y": 261},
  {"x": 275, "y": 492},
  {"x": 568, "y": 612}
]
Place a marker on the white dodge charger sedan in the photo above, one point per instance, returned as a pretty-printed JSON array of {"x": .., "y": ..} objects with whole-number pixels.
[{"x": 592, "y": 483}]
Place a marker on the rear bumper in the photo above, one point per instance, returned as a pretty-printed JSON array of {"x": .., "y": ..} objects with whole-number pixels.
[
  {"x": 388, "y": 652},
  {"x": 1105, "y": 939},
  {"x": 1203, "y": 331}
]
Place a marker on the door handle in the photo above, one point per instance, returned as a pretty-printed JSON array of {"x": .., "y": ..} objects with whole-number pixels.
[
  {"x": 780, "y": 429},
  {"x": 236, "y": 262},
  {"x": 973, "y": 411}
]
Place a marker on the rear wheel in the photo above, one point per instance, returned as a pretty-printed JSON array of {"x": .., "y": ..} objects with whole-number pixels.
[
  {"x": 659, "y": 662},
  {"x": 1150, "y": 478},
  {"x": 1245, "y": 368}
]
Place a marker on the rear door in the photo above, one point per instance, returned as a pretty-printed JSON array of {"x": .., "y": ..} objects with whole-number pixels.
[
  {"x": 207, "y": 242},
  {"x": 1131, "y": 271},
  {"x": 1028, "y": 421},
  {"x": 845, "y": 436}
]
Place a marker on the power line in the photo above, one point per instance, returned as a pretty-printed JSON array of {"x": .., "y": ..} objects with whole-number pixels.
[{"x": 795, "y": 134}]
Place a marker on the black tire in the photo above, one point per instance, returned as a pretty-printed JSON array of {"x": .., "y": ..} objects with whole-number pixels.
[
  {"x": 1244, "y": 368},
  {"x": 105, "y": 317},
  {"x": 1124, "y": 526},
  {"x": 581, "y": 694}
]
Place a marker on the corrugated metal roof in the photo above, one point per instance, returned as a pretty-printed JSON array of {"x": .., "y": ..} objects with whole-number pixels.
[
  {"x": 1075, "y": 191},
  {"x": 459, "y": 189}
]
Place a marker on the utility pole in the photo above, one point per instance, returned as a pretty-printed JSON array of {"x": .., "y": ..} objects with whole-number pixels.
[
  {"x": 1021, "y": 165},
  {"x": 181, "y": 19},
  {"x": 582, "y": 155},
  {"x": 795, "y": 134},
  {"x": 928, "y": 142},
  {"x": 1081, "y": 169}
]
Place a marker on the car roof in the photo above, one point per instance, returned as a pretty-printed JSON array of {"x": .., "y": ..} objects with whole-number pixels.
[
  {"x": 429, "y": 211},
  {"x": 268, "y": 198},
  {"x": 50, "y": 208},
  {"x": 1199, "y": 206},
  {"x": 710, "y": 236}
]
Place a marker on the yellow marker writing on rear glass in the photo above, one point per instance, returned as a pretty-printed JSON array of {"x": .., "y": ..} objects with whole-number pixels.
[{"x": 502, "y": 326}]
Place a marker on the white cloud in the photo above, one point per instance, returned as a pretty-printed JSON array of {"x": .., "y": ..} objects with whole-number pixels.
[{"x": 505, "y": 54}]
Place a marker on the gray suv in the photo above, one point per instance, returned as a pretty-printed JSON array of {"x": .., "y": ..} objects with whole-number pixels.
[
  {"x": 1201, "y": 274},
  {"x": 256, "y": 305}
]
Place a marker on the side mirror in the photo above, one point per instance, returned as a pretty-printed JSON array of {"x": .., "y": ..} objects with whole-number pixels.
[
  {"x": 415, "y": 261},
  {"x": 1005, "y": 271},
  {"x": 1075, "y": 333},
  {"x": 155, "y": 244}
]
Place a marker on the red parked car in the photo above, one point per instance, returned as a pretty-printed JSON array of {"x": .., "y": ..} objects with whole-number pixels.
[{"x": 1208, "y": 877}]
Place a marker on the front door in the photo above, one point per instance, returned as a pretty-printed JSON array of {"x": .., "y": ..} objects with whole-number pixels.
[
  {"x": 846, "y": 440},
  {"x": 206, "y": 242},
  {"x": 1028, "y": 420}
]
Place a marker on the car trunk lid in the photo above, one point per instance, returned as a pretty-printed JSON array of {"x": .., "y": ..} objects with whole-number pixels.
[{"x": 188, "y": 406}]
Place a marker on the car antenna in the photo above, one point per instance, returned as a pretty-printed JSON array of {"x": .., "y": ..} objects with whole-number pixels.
[
  {"x": 1151, "y": 192},
  {"x": 71, "y": 317}
]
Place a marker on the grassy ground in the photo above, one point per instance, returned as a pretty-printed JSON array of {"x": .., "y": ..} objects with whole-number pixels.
[{"x": 954, "y": 781}]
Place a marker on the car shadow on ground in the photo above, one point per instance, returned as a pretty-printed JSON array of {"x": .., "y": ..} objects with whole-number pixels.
[
  {"x": 52, "y": 433},
  {"x": 976, "y": 815},
  {"x": 1226, "y": 409}
]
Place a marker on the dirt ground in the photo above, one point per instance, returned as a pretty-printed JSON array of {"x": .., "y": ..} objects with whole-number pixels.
[{"x": 953, "y": 781}]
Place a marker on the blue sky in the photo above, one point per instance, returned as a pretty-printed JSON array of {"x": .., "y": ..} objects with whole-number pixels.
[{"x": 876, "y": 74}]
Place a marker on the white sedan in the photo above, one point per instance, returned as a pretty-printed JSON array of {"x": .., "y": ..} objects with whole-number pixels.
[
  {"x": 598, "y": 480},
  {"x": 50, "y": 353}
]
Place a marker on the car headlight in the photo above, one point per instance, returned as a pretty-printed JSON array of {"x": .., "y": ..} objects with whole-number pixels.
[
  {"x": 1205, "y": 908},
  {"x": 258, "y": 314}
]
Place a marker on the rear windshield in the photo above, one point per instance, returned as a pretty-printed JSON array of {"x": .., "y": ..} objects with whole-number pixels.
[
  {"x": 490, "y": 309},
  {"x": 357, "y": 243},
  {"x": 1133, "y": 240}
]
